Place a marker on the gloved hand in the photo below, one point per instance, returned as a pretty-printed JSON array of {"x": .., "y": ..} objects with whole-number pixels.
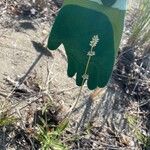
[{"x": 77, "y": 22}]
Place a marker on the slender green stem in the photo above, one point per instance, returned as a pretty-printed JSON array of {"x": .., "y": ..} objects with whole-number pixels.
[
  {"x": 88, "y": 62},
  {"x": 80, "y": 91},
  {"x": 93, "y": 43}
]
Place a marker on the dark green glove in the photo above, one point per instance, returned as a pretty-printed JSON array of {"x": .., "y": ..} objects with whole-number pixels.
[{"x": 77, "y": 22}]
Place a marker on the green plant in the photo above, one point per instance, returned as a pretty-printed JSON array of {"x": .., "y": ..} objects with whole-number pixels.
[
  {"x": 133, "y": 122},
  {"x": 90, "y": 54},
  {"x": 141, "y": 27},
  {"x": 145, "y": 140},
  {"x": 50, "y": 139},
  {"x": 5, "y": 118}
]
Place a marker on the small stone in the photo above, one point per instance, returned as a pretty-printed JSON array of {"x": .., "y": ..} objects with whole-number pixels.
[{"x": 33, "y": 11}]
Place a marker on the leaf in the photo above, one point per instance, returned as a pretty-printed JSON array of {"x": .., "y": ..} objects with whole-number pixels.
[{"x": 63, "y": 125}]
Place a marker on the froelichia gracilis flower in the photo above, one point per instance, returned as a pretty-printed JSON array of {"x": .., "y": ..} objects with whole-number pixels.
[{"x": 94, "y": 41}]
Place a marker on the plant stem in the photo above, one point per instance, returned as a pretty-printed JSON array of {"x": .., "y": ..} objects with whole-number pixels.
[
  {"x": 93, "y": 43},
  {"x": 80, "y": 91}
]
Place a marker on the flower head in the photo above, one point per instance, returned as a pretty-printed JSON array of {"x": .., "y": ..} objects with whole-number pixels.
[{"x": 94, "y": 41}]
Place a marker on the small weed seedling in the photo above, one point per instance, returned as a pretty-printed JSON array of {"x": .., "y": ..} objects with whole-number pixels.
[{"x": 50, "y": 138}]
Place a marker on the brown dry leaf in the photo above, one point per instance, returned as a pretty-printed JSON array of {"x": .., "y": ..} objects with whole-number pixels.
[{"x": 125, "y": 140}]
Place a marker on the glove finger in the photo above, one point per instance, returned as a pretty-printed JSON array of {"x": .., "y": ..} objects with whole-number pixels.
[
  {"x": 55, "y": 36},
  {"x": 79, "y": 76},
  {"x": 104, "y": 74},
  {"x": 71, "y": 67},
  {"x": 93, "y": 78},
  {"x": 53, "y": 41}
]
